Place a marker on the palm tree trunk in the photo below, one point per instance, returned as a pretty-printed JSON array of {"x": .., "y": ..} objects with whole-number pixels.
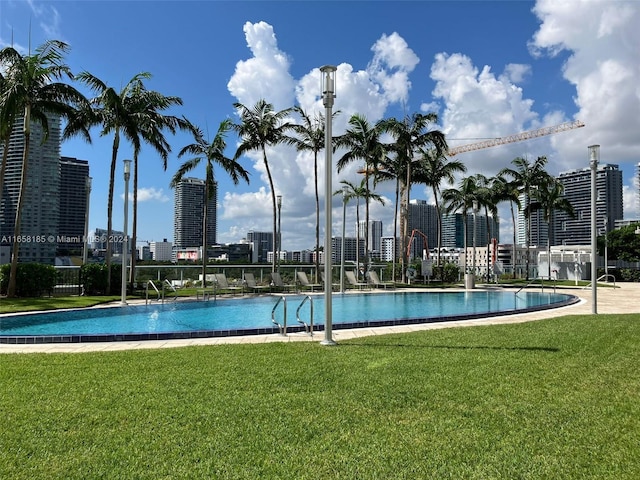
[
  {"x": 513, "y": 252},
  {"x": 273, "y": 202},
  {"x": 357, "y": 237},
  {"x": 11, "y": 288},
  {"x": 112, "y": 179},
  {"x": 366, "y": 228},
  {"x": 395, "y": 232},
  {"x": 439, "y": 223},
  {"x": 204, "y": 232}
]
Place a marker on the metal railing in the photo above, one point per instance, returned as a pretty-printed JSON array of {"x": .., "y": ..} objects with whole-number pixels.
[
  {"x": 605, "y": 276},
  {"x": 308, "y": 327},
  {"x": 534, "y": 282},
  {"x": 282, "y": 327}
]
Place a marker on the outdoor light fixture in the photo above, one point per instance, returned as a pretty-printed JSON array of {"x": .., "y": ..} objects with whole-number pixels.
[
  {"x": 125, "y": 238},
  {"x": 594, "y": 157},
  {"x": 279, "y": 239},
  {"x": 327, "y": 87}
]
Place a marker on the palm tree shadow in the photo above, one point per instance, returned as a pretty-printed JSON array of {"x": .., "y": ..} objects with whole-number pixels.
[{"x": 453, "y": 347}]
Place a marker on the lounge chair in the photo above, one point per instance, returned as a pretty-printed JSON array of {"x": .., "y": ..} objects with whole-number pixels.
[
  {"x": 252, "y": 285},
  {"x": 222, "y": 285},
  {"x": 351, "y": 277},
  {"x": 374, "y": 281},
  {"x": 279, "y": 284},
  {"x": 304, "y": 282}
]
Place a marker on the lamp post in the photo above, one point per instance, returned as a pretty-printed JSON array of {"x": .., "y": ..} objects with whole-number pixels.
[
  {"x": 594, "y": 157},
  {"x": 85, "y": 249},
  {"x": 279, "y": 239},
  {"x": 327, "y": 86},
  {"x": 125, "y": 239},
  {"x": 344, "y": 215},
  {"x": 606, "y": 247}
]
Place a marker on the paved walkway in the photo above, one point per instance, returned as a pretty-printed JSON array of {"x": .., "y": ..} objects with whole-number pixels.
[{"x": 625, "y": 298}]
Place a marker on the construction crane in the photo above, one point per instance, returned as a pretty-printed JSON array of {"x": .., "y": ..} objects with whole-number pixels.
[
  {"x": 517, "y": 137},
  {"x": 425, "y": 252}
]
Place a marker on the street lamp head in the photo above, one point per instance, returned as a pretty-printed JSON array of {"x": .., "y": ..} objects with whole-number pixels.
[
  {"x": 345, "y": 193},
  {"x": 279, "y": 200},
  {"x": 594, "y": 156},
  {"x": 127, "y": 168},
  {"x": 327, "y": 84}
]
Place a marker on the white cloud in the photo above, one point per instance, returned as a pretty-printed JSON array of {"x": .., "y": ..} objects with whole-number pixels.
[
  {"x": 149, "y": 194},
  {"x": 517, "y": 72}
]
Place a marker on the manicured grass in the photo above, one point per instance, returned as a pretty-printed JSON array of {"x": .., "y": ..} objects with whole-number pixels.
[
  {"x": 554, "y": 399},
  {"x": 10, "y": 305}
]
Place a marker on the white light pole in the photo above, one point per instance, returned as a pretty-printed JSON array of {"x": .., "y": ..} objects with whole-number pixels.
[
  {"x": 125, "y": 239},
  {"x": 85, "y": 250},
  {"x": 594, "y": 157},
  {"x": 327, "y": 86},
  {"x": 344, "y": 216},
  {"x": 279, "y": 239}
]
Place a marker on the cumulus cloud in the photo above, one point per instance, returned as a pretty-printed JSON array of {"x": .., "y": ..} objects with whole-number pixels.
[
  {"x": 149, "y": 195},
  {"x": 601, "y": 39}
]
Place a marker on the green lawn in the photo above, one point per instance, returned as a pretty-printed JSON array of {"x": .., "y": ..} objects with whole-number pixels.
[
  {"x": 556, "y": 399},
  {"x": 10, "y": 305}
]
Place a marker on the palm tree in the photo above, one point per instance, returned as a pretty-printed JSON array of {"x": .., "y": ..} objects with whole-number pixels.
[
  {"x": 362, "y": 141},
  {"x": 148, "y": 106},
  {"x": 118, "y": 114},
  {"x": 310, "y": 138},
  {"x": 486, "y": 199},
  {"x": 209, "y": 152},
  {"x": 7, "y": 118},
  {"x": 431, "y": 170},
  {"x": 358, "y": 192},
  {"x": 410, "y": 135},
  {"x": 261, "y": 127},
  {"x": 31, "y": 89},
  {"x": 549, "y": 197},
  {"x": 461, "y": 200},
  {"x": 526, "y": 176},
  {"x": 506, "y": 191}
]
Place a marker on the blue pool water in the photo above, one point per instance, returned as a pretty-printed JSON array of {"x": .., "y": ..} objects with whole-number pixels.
[{"x": 245, "y": 316}]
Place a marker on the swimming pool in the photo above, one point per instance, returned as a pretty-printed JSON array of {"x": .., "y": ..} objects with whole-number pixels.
[{"x": 252, "y": 316}]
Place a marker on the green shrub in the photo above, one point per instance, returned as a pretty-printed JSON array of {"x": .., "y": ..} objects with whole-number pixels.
[
  {"x": 32, "y": 279},
  {"x": 450, "y": 273},
  {"x": 94, "y": 278}
]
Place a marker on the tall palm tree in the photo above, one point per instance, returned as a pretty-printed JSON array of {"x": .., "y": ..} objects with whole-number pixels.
[
  {"x": 461, "y": 200},
  {"x": 210, "y": 152},
  {"x": 549, "y": 197},
  {"x": 527, "y": 175},
  {"x": 358, "y": 192},
  {"x": 32, "y": 89},
  {"x": 310, "y": 137},
  {"x": 410, "y": 135},
  {"x": 148, "y": 106},
  {"x": 117, "y": 113},
  {"x": 362, "y": 141},
  {"x": 431, "y": 170},
  {"x": 7, "y": 118},
  {"x": 487, "y": 200},
  {"x": 261, "y": 127},
  {"x": 506, "y": 191}
]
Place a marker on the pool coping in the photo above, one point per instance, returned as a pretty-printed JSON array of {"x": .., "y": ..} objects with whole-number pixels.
[{"x": 291, "y": 329}]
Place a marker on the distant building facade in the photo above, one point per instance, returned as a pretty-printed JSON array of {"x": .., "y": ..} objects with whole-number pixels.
[
  {"x": 188, "y": 211},
  {"x": 74, "y": 191}
]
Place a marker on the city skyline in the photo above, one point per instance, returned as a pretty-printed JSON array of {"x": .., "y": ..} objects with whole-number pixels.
[{"x": 507, "y": 72}]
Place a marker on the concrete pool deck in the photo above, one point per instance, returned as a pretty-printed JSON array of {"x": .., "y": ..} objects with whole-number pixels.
[{"x": 624, "y": 298}]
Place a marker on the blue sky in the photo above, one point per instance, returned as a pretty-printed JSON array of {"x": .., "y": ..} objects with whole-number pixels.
[{"x": 487, "y": 68}]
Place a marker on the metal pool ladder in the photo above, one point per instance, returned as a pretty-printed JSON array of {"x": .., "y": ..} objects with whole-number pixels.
[
  {"x": 158, "y": 292},
  {"x": 281, "y": 327},
  {"x": 308, "y": 327}
]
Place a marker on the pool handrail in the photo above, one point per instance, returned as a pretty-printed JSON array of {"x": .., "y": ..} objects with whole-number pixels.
[
  {"x": 171, "y": 287},
  {"x": 541, "y": 278},
  {"x": 307, "y": 327},
  {"x": 281, "y": 327},
  {"x": 147, "y": 291}
]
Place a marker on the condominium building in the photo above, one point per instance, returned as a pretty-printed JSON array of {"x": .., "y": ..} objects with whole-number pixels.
[
  {"x": 189, "y": 198},
  {"x": 161, "y": 251},
  {"x": 261, "y": 245},
  {"x": 351, "y": 246},
  {"x": 374, "y": 234},
  {"x": 534, "y": 223},
  {"x": 74, "y": 191},
  {"x": 424, "y": 218},
  {"x": 453, "y": 230},
  {"x": 576, "y": 230},
  {"x": 41, "y": 204}
]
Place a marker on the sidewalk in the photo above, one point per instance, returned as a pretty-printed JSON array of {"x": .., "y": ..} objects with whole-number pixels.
[{"x": 624, "y": 298}]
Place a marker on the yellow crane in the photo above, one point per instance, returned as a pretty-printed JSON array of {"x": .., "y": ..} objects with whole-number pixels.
[{"x": 516, "y": 137}]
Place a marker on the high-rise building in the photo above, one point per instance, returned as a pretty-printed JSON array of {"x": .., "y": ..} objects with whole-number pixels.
[
  {"x": 261, "y": 245},
  {"x": 539, "y": 233},
  {"x": 351, "y": 246},
  {"x": 453, "y": 230},
  {"x": 422, "y": 217},
  {"x": 576, "y": 230},
  {"x": 40, "y": 212},
  {"x": 161, "y": 251},
  {"x": 375, "y": 234},
  {"x": 188, "y": 211},
  {"x": 74, "y": 188}
]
